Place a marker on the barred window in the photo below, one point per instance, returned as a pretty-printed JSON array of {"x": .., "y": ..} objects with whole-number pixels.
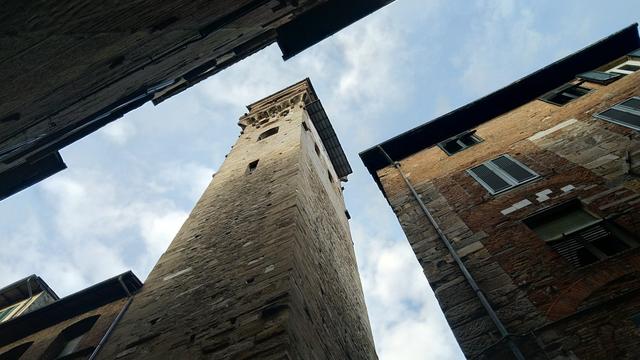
[{"x": 501, "y": 174}]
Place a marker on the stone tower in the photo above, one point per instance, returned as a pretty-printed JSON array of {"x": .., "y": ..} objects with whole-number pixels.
[{"x": 264, "y": 266}]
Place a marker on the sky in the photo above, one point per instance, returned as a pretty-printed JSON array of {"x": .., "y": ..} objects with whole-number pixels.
[{"x": 131, "y": 185}]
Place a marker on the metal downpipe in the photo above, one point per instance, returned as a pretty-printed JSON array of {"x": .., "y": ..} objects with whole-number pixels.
[
  {"x": 115, "y": 321},
  {"x": 454, "y": 254}
]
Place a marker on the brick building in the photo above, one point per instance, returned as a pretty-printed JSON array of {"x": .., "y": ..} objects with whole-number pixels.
[
  {"x": 36, "y": 324},
  {"x": 523, "y": 208},
  {"x": 71, "y": 67},
  {"x": 264, "y": 267}
]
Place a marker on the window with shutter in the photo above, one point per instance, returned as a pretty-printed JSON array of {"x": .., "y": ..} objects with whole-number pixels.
[
  {"x": 564, "y": 94},
  {"x": 600, "y": 77},
  {"x": 459, "y": 142},
  {"x": 577, "y": 235},
  {"x": 627, "y": 67},
  {"x": 626, "y": 113},
  {"x": 501, "y": 174}
]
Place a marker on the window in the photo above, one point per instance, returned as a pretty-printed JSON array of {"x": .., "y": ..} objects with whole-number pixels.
[
  {"x": 6, "y": 312},
  {"x": 635, "y": 53},
  {"x": 501, "y": 174},
  {"x": 268, "y": 133},
  {"x": 580, "y": 237},
  {"x": 316, "y": 148},
  {"x": 16, "y": 352},
  {"x": 626, "y": 68},
  {"x": 252, "y": 166},
  {"x": 68, "y": 341},
  {"x": 329, "y": 175},
  {"x": 564, "y": 94},
  {"x": 600, "y": 77},
  {"x": 459, "y": 142},
  {"x": 626, "y": 113}
]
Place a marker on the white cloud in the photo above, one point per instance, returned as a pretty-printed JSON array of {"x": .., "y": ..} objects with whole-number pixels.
[{"x": 118, "y": 132}]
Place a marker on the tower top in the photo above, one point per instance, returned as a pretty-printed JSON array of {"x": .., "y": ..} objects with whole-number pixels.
[{"x": 304, "y": 95}]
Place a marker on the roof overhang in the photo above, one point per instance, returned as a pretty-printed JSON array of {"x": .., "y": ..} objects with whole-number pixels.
[{"x": 501, "y": 101}]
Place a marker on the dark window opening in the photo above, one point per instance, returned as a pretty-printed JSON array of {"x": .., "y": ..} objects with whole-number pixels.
[
  {"x": 564, "y": 94},
  {"x": 626, "y": 113},
  {"x": 304, "y": 126},
  {"x": 67, "y": 343},
  {"x": 252, "y": 166},
  {"x": 16, "y": 352},
  {"x": 459, "y": 142},
  {"x": 317, "y": 149},
  {"x": 577, "y": 235},
  {"x": 600, "y": 77},
  {"x": 268, "y": 133},
  {"x": 501, "y": 174},
  {"x": 330, "y": 176},
  {"x": 629, "y": 67}
]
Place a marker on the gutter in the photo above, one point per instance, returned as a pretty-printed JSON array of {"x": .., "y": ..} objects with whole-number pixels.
[{"x": 505, "y": 335}]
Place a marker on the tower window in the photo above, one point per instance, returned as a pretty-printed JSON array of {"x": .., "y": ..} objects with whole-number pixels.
[
  {"x": 459, "y": 142},
  {"x": 330, "y": 176},
  {"x": 564, "y": 94},
  {"x": 268, "y": 133},
  {"x": 580, "y": 237},
  {"x": 252, "y": 166},
  {"x": 626, "y": 113},
  {"x": 68, "y": 341},
  {"x": 600, "y": 77},
  {"x": 316, "y": 148},
  {"x": 501, "y": 174}
]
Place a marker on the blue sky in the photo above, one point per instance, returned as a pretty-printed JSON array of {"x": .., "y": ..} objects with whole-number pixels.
[{"x": 131, "y": 185}]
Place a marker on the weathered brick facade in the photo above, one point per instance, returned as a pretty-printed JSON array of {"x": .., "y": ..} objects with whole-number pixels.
[
  {"x": 553, "y": 309},
  {"x": 264, "y": 266}
]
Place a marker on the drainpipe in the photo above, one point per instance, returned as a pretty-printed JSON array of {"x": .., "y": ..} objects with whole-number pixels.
[
  {"x": 454, "y": 254},
  {"x": 115, "y": 321}
]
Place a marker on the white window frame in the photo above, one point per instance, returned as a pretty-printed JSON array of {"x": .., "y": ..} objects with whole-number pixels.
[
  {"x": 622, "y": 108},
  {"x": 502, "y": 174},
  {"x": 616, "y": 69}
]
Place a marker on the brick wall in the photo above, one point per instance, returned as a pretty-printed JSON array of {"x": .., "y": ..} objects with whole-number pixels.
[
  {"x": 44, "y": 338},
  {"x": 555, "y": 307},
  {"x": 263, "y": 268}
]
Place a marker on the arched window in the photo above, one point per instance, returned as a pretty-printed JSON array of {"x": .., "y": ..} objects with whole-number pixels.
[
  {"x": 268, "y": 133},
  {"x": 16, "y": 352},
  {"x": 68, "y": 341}
]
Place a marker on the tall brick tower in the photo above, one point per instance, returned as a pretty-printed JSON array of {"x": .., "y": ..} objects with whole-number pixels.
[{"x": 264, "y": 266}]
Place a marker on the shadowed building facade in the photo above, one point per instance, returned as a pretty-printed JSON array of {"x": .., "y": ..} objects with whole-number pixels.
[
  {"x": 264, "y": 267},
  {"x": 36, "y": 324},
  {"x": 523, "y": 209},
  {"x": 71, "y": 67}
]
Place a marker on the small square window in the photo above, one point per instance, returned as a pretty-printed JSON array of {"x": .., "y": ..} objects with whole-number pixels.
[
  {"x": 580, "y": 237},
  {"x": 599, "y": 77},
  {"x": 459, "y": 142},
  {"x": 564, "y": 94},
  {"x": 626, "y": 113},
  {"x": 501, "y": 174}
]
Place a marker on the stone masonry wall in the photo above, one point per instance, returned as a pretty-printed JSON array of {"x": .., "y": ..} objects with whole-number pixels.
[
  {"x": 242, "y": 278},
  {"x": 558, "y": 310}
]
